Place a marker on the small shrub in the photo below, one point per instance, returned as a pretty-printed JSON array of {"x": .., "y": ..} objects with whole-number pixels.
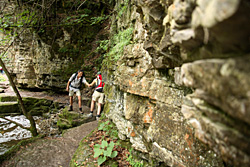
[
  {"x": 2, "y": 78},
  {"x": 104, "y": 151},
  {"x": 117, "y": 44},
  {"x": 132, "y": 161},
  {"x": 109, "y": 128}
]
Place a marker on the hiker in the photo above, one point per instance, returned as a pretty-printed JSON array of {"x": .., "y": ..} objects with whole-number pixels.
[
  {"x": 98, "y": 95},
  {"x": 74, "y": 86},
  {"x": 1, "y": 70}
]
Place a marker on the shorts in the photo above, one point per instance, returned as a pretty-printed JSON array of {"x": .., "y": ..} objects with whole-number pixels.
[
  {"x": 73, "y": 90},
  {"x": 99, "y": 97}
]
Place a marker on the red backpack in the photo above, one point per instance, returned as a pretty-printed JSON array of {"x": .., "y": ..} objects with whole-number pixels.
[{"x": 100, "y": 84}]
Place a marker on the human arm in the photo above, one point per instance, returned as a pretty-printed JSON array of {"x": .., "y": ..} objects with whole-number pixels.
[
  {"x": 67, "y": 88},
  {"x": 93, "y": 83},
  {"x": 85, "y": 81}
]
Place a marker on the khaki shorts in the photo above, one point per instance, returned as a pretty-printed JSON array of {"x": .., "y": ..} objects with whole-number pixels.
[
  {"x": 99, "y": 97},
  {"x": 72, "y": 91}
]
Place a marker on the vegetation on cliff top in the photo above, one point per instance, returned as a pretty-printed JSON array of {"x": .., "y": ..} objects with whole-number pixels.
[{"x": 50, "y": 20}]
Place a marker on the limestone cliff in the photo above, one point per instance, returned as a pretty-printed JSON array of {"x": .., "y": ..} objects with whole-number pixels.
[
  {"x": 55, "y": 39},
  {"x": 176, "y": 74},
  {"x": 180, "y": 90}
]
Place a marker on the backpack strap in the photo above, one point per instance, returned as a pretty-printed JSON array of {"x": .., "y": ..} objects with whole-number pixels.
[
  {"x": 74, "y": 77},
  {"x": 80, "y": 79}
]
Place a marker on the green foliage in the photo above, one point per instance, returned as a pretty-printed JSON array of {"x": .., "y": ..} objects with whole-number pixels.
[
  {"x": 103, "y": 46},
  {"x": 68, "y": 50},
  {"x": 109, "y": 128},
  {"x": 132, "y": 161},
  {"x": 99, "y": 19},
  {"x": 2, "y": 78},
  {"x": 74, "y": 20},
  {"x": 122, "y": 8},
  {"x": 103, "y": 151},
  {"x": 117, "y": 44}
]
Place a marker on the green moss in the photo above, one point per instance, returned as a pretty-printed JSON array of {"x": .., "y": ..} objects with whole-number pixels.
[
  {"x": 7, "y": 98},
  {"x": 63, "y": 124},
  {"x": 2, "y": 79},
  {"x": 37, "y": 106},
  {"x": 9, "y": 107},
  {"x": 82, "y": 151},
  {"x": 117, "y": 44}
]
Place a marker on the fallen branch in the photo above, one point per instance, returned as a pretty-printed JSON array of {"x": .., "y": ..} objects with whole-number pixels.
[{"x": 14, "y": 122}]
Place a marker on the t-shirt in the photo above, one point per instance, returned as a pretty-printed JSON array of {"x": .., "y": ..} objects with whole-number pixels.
[{"x": 76, "y": 82}]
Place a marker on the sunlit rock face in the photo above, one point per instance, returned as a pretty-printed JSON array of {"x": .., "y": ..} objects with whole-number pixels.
[
  {"x": 32, "y": 61},
  {"x": 45, "y": 57},
  {"x": 180, "y": 92},
  {"x": 35, "y": 66}
]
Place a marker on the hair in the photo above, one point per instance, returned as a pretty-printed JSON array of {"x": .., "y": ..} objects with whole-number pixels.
[{"x": 83, "y": 74}]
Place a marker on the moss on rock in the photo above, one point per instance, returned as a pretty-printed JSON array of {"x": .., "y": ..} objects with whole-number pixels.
[
  {"x": 7, "y": 98},
  {"x": 9, "y": 107}
]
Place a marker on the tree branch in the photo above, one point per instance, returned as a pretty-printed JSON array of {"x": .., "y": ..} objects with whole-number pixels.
[{"x": 14, "y": 122}]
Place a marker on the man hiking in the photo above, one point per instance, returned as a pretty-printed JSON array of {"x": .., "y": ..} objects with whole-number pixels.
[
  {"x": 98, "y": 95},
  {"x": 73, "y": 86}
]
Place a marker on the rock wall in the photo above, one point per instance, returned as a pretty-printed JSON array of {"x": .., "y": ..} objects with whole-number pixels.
[
  {"x": 45, "y": 55},
  {"x": 180, "y": 92}
]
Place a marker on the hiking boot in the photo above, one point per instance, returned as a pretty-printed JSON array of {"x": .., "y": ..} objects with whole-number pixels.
[
  {"x": 70, "y": 108},
  {"x": 90, "y": 115},
  {"x": 80, "y": 110},
  {"x": 98, "y": 117}
]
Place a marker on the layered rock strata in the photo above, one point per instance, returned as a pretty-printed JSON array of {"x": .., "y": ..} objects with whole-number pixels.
[{"x": 180, "y": 92}]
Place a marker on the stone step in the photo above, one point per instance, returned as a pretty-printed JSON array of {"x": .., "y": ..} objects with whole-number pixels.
[
  {"x": 9, "y": 114},
  {"x": 1, "y": 90},
  {"x": 4, "y": 98},
  {"x": 9, "y": 107}
]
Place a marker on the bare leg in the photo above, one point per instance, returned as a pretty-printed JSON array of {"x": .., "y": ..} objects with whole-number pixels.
[
  {"x": 92, "y": 106},
  {"x": 71, "y": 100},
  {"x": 99, "y": 108},
  {"x": 80, "y": 101}
]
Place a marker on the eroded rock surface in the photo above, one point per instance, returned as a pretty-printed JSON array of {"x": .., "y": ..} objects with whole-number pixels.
[{"x": 180, "y": 92}]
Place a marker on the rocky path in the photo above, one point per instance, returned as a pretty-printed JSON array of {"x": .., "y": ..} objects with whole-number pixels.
[
  {"x": 51, "y": 152},
  {"x": 61, "y": 98},
  {"x": 8, "y": 91}
]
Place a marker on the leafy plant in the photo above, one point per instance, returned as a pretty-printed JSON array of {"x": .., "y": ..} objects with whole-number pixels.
[
  {"x": 122, "y": 8},
  {"x": 103, "y": 45},
  {"x": 109, "y": 128},
  {"x": 117, "y": 44},
  {"x": 74, "y": 20},
  {"x": 132, "y": 161},
  {"x": 2, "y": 78},
  {"x": 99, "y": 19},
  {"x": 104, "y": 151}
]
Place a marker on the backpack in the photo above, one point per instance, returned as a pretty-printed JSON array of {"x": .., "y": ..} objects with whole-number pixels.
[
  {"x": 100, "y": 84},
  {"x": 83, "y": 75}
]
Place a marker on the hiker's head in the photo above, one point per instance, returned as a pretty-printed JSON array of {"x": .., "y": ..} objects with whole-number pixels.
[
  {"x": 80, "y": 73},
  {"x": 99, "y": 75}
]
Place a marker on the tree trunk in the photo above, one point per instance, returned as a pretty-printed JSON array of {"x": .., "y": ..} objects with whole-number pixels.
[{"x": 33, "y": 129}]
